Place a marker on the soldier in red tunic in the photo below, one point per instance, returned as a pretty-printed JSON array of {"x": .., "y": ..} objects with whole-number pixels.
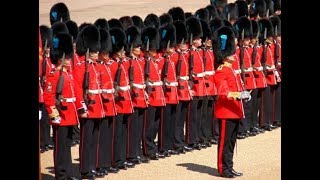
[
  {"x": 88, "y": 92},
  {"x": 150, "y": 45},
  {"x": 46, "y": 67},
  {"x": 138, "y": 94},
  {"x": 196, "y": 73},
  {"x": 228, "y": 108},
  {"x": 61, "y": 104},
  {"x": 123, "y": 101}
]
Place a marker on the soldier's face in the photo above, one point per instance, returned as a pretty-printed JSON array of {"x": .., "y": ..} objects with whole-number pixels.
[
  {"x": 136, "y": 51},
  {"x": 253, "y": 41},
  {"x": 246, "y": 41},
  {"x": 93, "y": 56},
  {"x": 208, "y": 43},
  {"x": 197, "y": 42},
  {"x": 67, "y": 62}
]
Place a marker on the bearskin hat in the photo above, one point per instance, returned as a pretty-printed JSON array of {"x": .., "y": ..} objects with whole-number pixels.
[
  {"x": 227, "y": 23},
  {"x": 151, "y": 34},
  {"x": 213, "y": 13},
  {"x": 152, "y": 20},
  {"x": 167, "y": 33},
  {"x": 177, "y": 13},
  {"x": 243, "y": 9},
  {"x": 61, "y": 43},
  {"x": 269, "y": 5},
  {"x": 59, "y": 27},
  {"x": 102, "y": 23},
  {"x": 206, "y": 30},
  {"x": 83, "y": 25},
  {"x": 276, "y": 23},
  {"x": 202, "y": 14},
  {"x": 46, "y": 34},
  {"x": 126, "y": 22},
  {"x": 105, "y": 41},
  {"x": 243, "y": 24},
  {"x": 88, "y": 37},
  {"x": 276, "y": 5},
  {"x": 118, "y": 39},
  {"x": 115, "y": 23},
  {"x": 223, "y": 43},
  {"x": 181, "y": 31},
  {"x": 165, "y": 18},
  {"x": 59, "y": 12},
  {"x": 258, "y": 7},
  {"x": 188, "y": 14},
  {"x": 215, "y": 24},
  {"x": 194, "y": 27},
  {"x": 231, "y": 10},
  {"x": 133, "y": 37},
  {"x": 265, "y": 24},
  {"x": 137, "y": 21},
  {"x": 73, "y": 29},
  {"x": 255, "y": 28}
]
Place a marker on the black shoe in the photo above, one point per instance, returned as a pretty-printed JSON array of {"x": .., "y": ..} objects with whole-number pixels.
[
  {"x": 154, "y": 156},
  {"x": 236, "y": 173},
  {"x": 77, "y": 141},
  {"x": 213, "y": 141},
  {"x": 273, "y": 127},
  {"x": 88, "y": 175},
  {"x": 240, "y": 136},
  {"x": 135, "y": 160},
  {"x": 163, "y": 154},
  {"x": 228, "y": 175},
  {"x": 252, "y": 133},
  {"x": 129, "y": 164},
  {"x": 173, "y": 152},
  {"x": 97, "y": 174},
  {"x": 121, "y": 166},
  {"x": 144, "y": 159},
  {"x": 113, "y": 170},
  {"x": 50, "y": 147},
  {"x": 203, "y": 145},
  {"x": 267, "y": 128},
  {"x": 102, "y": 170},
  {"x": 42, "y": 150},
  {"x": 208, "y": 144},
  {"x": 277, "y": 124},
  {"x": 181, "y": 150},
  {"x": 73, "y": 178},
  {"x": 73, "y": 143},
  {"x": 188, "y": 149},
  {"x": 198, "y": 146}
]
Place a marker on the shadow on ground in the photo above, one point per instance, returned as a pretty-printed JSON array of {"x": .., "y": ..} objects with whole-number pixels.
[
  {"x": 200, "y": 168},
  {"x": 75, "y": 172}
]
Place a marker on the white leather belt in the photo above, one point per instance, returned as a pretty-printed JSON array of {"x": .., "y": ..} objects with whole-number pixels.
[
  {"x": 171, "y": 83},
  {"x": 248, "y": 69},
  {"x": 270, "y": 68},
  {"x": 96, "y": 91},
  {"x": 157, "y": 83},
  {"x": 124, "y": 88},
  {"x": 237, "y": 71},
  {"x": 209, "y": 73},
  {"x": 259, "y": 68},
  {"x": 73, "y": 99},
  {"x": 139, "y": 86},
  {"x": 107, "y": 91},
  {"x": 184, "y": 78},
  {"x": 279, "y": 63},
  {"x": 199, "y": 75}
]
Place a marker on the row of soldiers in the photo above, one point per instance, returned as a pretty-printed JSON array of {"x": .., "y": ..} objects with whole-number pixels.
[{"x": 126, "y": 81}]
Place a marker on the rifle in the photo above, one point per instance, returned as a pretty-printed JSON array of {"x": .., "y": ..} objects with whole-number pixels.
[
  {"x": 242, "y": 57},
  {"x": 265, "y": 49},
  {"x": 44, "y": 64},
  {"x": 190, "y": 62},
  {"x": 179, "y": 60},
  {"x": 277, "y": 48},
  {"x": 131, "y": 69},
  {"x": 118, "y": 75},
  {"x": 204, "y": 54},
  {"x": 147, "y": 69},
  {"x": 60, "y": 87},
  {"x": 165, "y": 69},
  {"x": 85, "y": 85},
  {"x": 255, "y": 50}
]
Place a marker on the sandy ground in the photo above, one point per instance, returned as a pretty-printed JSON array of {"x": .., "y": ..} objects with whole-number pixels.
[{"x": 259, "y": 157}]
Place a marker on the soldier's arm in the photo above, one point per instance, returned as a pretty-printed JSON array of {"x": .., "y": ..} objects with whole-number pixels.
[
  {"x": 49, "y": 94},
  {"x": 78, "y": 75},
  {"x": 221, "y": 83}
]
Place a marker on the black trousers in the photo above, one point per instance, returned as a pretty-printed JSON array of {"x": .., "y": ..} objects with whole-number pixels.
[
  {"x": 105, "y": 153},
  {"x": 89, "y": 134},
  {"x": 181, "y": 117},
  {"x": 120, "y": 139},
  {"x": 62, "y": 152},
  {"x": 167, "y": 128},
  {"x": 76, "y": 133},
  {"x": 205, "y": 133},
  {"x": 266, "y": 110},
  {"x": 194, "y": 122},
  {"x": 244, "y": 125},
  {"x": 256, "y": 97},
  {"x": 227, "y": 141},
  {"x": 44, "y": 127},
  {"x": 277, "y": 103},
  {"x": 150, "y": 130},
  {"x": 135, "y": 127}
]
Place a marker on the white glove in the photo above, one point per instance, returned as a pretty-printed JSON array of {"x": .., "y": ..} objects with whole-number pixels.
[
  {"x": 56, "y": 120},
  {"x": 40, "y": 115},
  {"x": 245, "y": 95}
]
